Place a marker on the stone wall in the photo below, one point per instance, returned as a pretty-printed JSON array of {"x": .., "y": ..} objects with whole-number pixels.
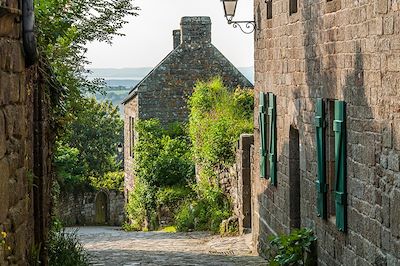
[
  {"x": 235, "y": 182},
  {"x": 80, "y": 207},
  {"x": 347, "y": 50},
  {"x": 131, "y": 114},
  {"x": 23, "y": 209}
]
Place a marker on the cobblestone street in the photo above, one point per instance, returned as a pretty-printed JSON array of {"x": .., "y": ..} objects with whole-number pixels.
[{"x": 112, "y": 246}]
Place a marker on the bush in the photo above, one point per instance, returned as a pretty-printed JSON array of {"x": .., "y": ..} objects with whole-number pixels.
[
  {"x": 205, "y": 213},
  {"x": 110, "y": 180},
  {"x": 293, "y": 249},
  {"x": 163, "y": 167},
  {"x": 217, "y": 118},
  {"x": 173, "y": 197},
  {"x": 66, "y": 250}
]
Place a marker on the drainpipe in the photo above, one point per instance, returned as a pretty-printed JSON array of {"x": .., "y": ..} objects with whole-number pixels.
[{"x": 28, "y": 27}]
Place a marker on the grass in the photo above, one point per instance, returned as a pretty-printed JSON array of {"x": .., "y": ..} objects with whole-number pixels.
[{"x": 169, "y": 229}]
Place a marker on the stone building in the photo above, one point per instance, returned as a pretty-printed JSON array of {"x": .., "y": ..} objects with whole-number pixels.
[
  {"x": 164, "y": 91},
  {"x": 24, "y": 139},
  {"x": 327, "y": 126}
]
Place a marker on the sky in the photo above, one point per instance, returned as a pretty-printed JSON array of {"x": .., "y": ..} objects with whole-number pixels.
[{"x": 149, "y": 36}]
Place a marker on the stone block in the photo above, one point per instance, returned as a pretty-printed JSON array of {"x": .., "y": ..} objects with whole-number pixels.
[
  {"x": 393, "y": 161},
  {"x": 393, "y": 62},
  {"x": 388, "y": 25},
  {"x": 383, "y": 161},
  {"x": 3, "y": 144},
  {"x": 395, "y": 213},
  {"x": 387, "y": 135},
  {"x": 4, "y": 189},
  {"x": 381, "y": 6}
]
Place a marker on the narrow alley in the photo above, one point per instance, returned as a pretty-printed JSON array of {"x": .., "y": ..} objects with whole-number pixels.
[{"x": 113, "y": 246}]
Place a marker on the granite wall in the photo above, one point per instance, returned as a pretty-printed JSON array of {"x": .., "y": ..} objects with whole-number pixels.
[
  {"x": 24, "y": 166},
  {"x": 344, "y": 50},
  {"x": 235, "y": 183},
  {"x": 82, "y": 207}
]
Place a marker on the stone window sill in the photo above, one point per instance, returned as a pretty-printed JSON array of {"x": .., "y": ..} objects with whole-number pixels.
[
  {"x": 332, "y": 6},
  {"x": 294, "y": 17}
]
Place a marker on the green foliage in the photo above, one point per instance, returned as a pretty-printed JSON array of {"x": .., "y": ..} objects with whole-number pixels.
[
  {"x": 162, "y": 156},
  {"x": 110, "y": 180},
  {"x": 162, "y": 160},
  {"x": 70, "y": 170},
  {"x": 291, "y": 249},
  {"x": 172, "y": 197},
  {"x": 86, "y": 154},
  {"x": 141, "y": 200},
  {"x": 64, "y": 249},
  {"x": 95, "y": 133},
  {"x": 64, "y": 28},
  {"x": 217, "y": 118},
  {"x": 205, "y": 212}
]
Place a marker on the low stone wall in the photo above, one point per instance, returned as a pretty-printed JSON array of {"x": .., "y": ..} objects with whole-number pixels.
[
  {"x": 235, "y": 182},
  {"x": 92, "y": 208}
]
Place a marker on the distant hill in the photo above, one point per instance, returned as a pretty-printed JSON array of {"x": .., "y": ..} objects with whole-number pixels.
[
  {"x": 121, "y": 76},
  {"x": 120, "y": 73}
]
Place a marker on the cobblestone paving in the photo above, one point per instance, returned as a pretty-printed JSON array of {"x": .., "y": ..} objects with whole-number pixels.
[{"x": 112, "y": 246}]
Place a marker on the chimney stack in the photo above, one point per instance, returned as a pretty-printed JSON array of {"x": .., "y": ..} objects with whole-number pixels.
[
  {"x": 177, "y": 38},
  {"x": 196, "y": 29}
]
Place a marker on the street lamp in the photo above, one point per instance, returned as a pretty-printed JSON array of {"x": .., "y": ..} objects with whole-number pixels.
[
  {"x": 230, "y": 9},
  {"x": 119, "y": 147}
]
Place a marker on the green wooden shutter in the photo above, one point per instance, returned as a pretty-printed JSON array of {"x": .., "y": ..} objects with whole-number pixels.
[
  {"x": 263, "y": 146},
  {"x": 272, "y": 137},
  {"x": 339, "y": 126},
  {"x": 322, "y": 188}
]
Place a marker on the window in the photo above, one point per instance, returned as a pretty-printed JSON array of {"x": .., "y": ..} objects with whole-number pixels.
[
  {"x": 294, "y": 178},
  {"x": 269, "y": 8},
  {"x": 330, "y": 159},
  {"x": 131, "y": 136},
  {"x": 292, "y": 7}
]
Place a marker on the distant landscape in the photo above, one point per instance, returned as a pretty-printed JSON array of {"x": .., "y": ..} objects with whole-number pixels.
[{"x": 120, "y": 81}]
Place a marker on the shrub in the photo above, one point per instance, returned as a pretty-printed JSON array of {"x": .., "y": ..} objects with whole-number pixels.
[
  {"x": 163, "y": 167},
  {"x": 66, "y": 250},
  {"x": 110, "y": 180},
  {"x": 172, "y": 197},
  {"x": 217, "y": 118},
  {"x": 204, "y": 213},
  {"x": 292, "y": 249}
]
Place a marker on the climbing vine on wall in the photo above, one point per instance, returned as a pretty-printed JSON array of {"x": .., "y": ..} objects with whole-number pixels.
[{"x": 218, "y": 116}]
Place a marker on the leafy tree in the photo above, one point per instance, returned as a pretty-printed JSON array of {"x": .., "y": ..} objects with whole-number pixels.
[
  {"x": 70, "y": 170},
  {"x": 95, "y": 133},
  {"x": 64, "y": 28}
]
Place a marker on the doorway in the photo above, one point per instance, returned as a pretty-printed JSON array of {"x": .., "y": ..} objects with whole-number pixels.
[
  {"x": 101, "y": 208},
  {"x": 294, "y": 178}
]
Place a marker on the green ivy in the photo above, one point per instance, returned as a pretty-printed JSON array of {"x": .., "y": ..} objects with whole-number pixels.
[
  {"x": 218, "y": 116},
  {"x": 292, "y": 249},
  {"x": 163, "y": 165}
]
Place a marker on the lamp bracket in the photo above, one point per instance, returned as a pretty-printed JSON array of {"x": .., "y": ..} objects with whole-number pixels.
[{"x": 247, "y": 28}]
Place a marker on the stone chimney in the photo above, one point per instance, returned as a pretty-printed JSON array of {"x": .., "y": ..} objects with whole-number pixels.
[
  {"x": 196, "y": 29},
  {"x": 177, "y": 38}
]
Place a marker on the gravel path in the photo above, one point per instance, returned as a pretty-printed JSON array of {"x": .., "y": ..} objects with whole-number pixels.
[{"x": 112, "y": 246}]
